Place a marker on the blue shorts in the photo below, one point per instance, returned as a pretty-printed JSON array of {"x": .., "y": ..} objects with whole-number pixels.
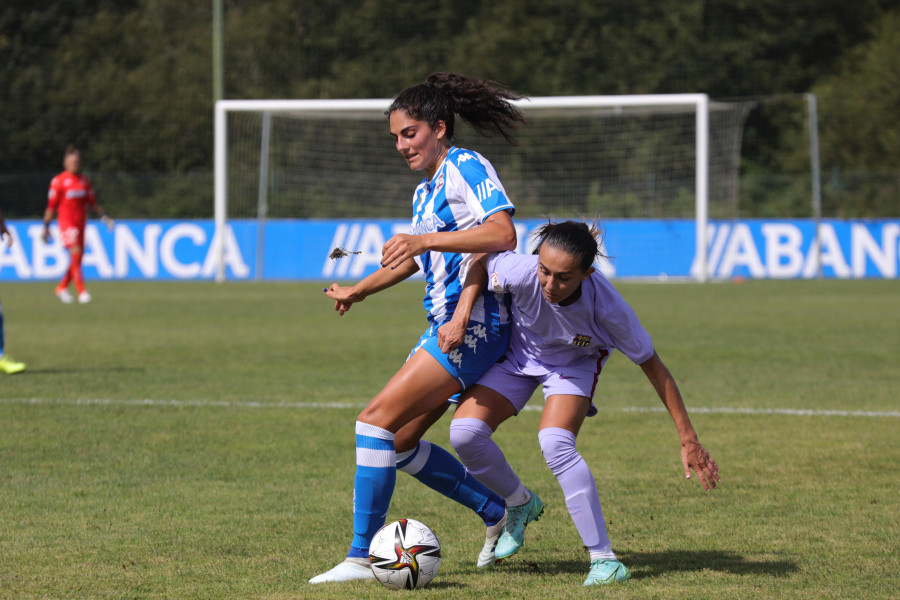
[{"x": 483, "y": 346}]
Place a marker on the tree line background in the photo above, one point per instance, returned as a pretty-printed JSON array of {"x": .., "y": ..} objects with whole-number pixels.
[{"x": 130, "y": 81}]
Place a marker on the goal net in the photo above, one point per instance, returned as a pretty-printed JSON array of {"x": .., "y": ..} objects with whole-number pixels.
[{"x": 592, "y": 157}]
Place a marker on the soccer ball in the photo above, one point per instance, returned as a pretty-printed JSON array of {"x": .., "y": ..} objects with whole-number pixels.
[{"x": 405, "y": 554}]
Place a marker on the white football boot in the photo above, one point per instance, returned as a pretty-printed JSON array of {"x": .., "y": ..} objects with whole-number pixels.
[
  {"x": 352, "y": 569},
  {"x": 487, "y": 557}
]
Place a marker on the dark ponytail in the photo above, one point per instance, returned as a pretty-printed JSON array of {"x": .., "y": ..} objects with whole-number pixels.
[
  {"x": 574, "y": 238},
  {"x": 480, "y": 103}
]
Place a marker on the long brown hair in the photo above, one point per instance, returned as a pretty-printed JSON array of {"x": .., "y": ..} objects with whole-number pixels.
[{"x": 483, "y": 104}]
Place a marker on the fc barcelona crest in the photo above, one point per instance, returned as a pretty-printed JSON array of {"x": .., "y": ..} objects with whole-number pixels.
[{"x": 582, "y": 340}]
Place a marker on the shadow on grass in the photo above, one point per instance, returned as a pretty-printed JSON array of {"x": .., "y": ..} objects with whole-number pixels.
[
  {"x": 654, "y": 564},
  {"x": 446, "y": 585},
  {"x": 651, "y": 564}
]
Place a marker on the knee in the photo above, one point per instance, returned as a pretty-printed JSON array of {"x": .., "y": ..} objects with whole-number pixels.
[
  {"x": 469, "y": 438},
  {"x": 558, "y": 448},
  {"x": 380, "y": 414}
]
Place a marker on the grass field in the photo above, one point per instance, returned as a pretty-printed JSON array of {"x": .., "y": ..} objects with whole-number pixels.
[{"x": 190, "y": 440}]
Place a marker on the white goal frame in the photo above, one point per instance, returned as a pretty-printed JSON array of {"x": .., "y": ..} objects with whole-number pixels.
[{"x": 698, "y": 102}]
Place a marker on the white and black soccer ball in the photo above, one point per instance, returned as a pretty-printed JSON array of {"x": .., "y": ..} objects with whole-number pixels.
[{"x": 405, "y": 554}]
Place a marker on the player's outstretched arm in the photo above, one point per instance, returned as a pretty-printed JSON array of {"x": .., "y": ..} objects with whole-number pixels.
[
  {"x": 496, "y": 234},
  {"x": 346, "y": 296},
  {"x": 104, "y": 218},
  {"x": 693, "y": 455}
]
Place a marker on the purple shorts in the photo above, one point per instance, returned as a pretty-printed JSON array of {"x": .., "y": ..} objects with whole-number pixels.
[{"x": 517, "y": 383}]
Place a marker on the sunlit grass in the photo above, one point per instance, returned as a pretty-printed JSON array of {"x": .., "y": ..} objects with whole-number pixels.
[{"x": 196, "y": 441}]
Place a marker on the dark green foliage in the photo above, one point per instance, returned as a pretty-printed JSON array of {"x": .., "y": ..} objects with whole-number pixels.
[{"x": 130, "y": 81}]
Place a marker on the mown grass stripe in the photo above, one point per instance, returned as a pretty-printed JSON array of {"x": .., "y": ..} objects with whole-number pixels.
[{"x": 796, "y": 412}]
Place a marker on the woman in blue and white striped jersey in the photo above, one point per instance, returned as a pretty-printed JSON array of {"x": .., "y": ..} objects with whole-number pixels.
[{"x": 460, "y": 208}]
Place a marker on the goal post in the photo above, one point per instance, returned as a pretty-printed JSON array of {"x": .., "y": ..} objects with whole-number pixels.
[{"x": 658, "y": 156}]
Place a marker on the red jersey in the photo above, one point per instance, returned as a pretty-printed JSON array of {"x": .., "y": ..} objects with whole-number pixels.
[{"x": 69, "y": 195}]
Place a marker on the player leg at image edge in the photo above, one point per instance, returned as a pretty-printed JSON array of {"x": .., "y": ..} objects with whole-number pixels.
[{"x": 7, "y": 365}]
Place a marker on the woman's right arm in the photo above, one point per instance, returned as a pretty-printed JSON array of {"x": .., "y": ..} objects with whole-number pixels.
[
  {"x": 496, "y": 234},
  {"x": 345, "y": 296}
]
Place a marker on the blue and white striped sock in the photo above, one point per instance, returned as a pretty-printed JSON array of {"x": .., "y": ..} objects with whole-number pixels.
[
  {"x": 376, "y": 474},
  {"x": 439, "y": 470}
]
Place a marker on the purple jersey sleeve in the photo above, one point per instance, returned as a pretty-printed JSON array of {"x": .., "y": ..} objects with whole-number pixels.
[
  {"x": 617, "y": 317},
  {"x": 507, "y": 271}
]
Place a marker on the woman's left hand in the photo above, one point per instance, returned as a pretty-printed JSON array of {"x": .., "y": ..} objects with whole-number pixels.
[
  {"x": 401, "y": 247},
  {"x": 451, "y": 334},
  {"x": 694, "y": 456}
]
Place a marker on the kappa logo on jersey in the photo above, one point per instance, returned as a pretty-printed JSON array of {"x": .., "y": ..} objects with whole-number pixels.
[
  {"x": 582, "y": 340},
  {"x": 484, "y": 189},
  {"x": 463, "y": 158}
]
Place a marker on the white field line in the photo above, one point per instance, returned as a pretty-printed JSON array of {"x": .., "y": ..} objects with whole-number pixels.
[{"x": 797, "y": 412}]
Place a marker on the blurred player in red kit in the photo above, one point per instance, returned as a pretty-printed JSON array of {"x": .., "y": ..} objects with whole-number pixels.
[{"x": 70, "y": 195}]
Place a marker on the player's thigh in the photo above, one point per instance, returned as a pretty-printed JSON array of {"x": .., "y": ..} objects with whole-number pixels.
[
  {"x": 485, "y": 404},
  {"x": 565, "y": 412},
  {"x": 72, "y": 238},
  {"x": 419, "y": 387}
]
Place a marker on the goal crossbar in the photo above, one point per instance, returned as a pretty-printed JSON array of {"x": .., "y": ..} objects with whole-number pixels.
[{"x": 374, "y": 108}]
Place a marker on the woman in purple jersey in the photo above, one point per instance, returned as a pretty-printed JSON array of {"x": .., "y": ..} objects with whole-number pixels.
[
  {"x": 567, "y": 318},
  {"x": 459, "y": 209}
]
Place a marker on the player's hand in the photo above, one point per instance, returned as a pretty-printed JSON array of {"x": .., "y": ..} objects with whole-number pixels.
[
  {"x": 694, "y": 456},
  {"x": 344, "y": 297},
  {"x": 451, "y": 334},
  {"x": 400, "y": 247},
  {"x": 45, "y": 235},
  {"x": 108, "y": 222}
]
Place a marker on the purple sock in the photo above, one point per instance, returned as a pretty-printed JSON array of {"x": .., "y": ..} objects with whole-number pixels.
[
  {"x": 471, "y": 438},
  {"x": 578, "y": 486}
]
